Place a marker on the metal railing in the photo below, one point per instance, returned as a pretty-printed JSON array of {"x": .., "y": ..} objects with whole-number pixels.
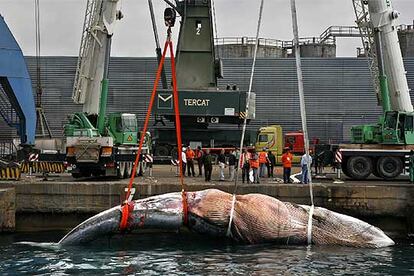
[
  {"x": 339, "y": 31},
  {"x": 8, "y": 151},
  {"x": 248, "y": 41},
  {"x": 404, "y": 27}
]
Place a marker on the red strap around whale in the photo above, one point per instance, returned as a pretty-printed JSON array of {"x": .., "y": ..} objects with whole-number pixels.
[{"x": 126, "y": 210}]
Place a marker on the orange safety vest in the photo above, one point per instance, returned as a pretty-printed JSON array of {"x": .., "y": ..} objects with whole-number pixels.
[
  {"x": 190, "y": 154},
  {"x": 254, "y": 163},
  {"x": 287, "y": 160},
  {"x": 262, "y": 157}
]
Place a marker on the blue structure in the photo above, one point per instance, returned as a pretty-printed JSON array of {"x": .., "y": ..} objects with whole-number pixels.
[{"x": 16, "y": 96}]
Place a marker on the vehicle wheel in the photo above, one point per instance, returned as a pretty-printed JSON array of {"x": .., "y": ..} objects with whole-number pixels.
[
  {"x": 359, "y": 167},
  {"x": 389, "y": 167},
  {"x": 121, "y": 170},
  {"x": 161, "y": 151}
]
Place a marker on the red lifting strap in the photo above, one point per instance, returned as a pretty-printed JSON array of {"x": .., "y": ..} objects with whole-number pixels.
[{"x": 126, "y": 210}]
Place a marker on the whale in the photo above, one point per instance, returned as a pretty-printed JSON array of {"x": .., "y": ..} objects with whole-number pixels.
[{"x": 249, "y": 218}]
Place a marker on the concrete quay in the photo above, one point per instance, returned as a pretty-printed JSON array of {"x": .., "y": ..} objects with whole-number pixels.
[
  {"x": 60, "y": 205},
  {"x": 7, "y": 209}
]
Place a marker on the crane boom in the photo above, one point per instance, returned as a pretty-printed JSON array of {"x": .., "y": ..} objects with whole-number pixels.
[
  {"x": 383, "y": 20},
  {"x": 100, "y": 17}
]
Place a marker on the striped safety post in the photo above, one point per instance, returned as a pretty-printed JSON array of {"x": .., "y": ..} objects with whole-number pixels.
[
  {"x": 149, "y": 160},
  {"x": 338, "y": 161}
]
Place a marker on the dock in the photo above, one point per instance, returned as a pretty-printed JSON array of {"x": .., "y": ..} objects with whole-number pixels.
[{"x": 61, "y": 203}]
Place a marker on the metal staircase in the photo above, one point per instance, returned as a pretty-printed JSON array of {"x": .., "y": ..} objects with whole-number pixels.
[{"x": 7, "y": 110}]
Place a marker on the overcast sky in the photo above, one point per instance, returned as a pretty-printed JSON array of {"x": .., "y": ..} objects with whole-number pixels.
[{"x": 61, "y": 23}]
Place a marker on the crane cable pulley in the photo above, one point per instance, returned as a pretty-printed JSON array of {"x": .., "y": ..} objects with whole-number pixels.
[{"x": 127, "y": 205}]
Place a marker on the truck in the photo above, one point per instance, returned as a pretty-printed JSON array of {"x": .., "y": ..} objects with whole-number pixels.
[
  {"x": 209, "y": 113},
  {"x": 97, "y": 143},
  {"x": 382, "y": 148},
  {"x": 272, "y": 138}
]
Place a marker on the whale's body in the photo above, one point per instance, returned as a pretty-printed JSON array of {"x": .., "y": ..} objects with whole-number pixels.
[{"x": 257, "y": 218}]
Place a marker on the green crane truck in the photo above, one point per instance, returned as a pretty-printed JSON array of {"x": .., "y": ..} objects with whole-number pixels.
[
  {"x": 382, "y": 149},
  {"x": 96, "y": 143}
]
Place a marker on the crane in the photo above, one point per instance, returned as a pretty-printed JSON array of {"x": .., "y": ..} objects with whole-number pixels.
[
  {"x": 97, "y": 143},
  {"x": 203, "y": 105},
  {"x": 382, "y": 148}
]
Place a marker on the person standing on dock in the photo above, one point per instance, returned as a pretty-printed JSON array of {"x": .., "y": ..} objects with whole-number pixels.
[
  {"x": 263, "y": 162},
  {"x": 304, "y": 161},
  {"x": 222, "y": 164},
  {"x": 199, "y": 157},
  {"x": 271, "y": 164},
  {"x": 184, "y": 159},
  {"x": 244, "y": 165},
  {"x": 287, "y": 165},
  {"x": 190, "y": 161},
  {"x": 254, "y": 167},
  {"x": 207, "y": 161},
  {"x": 232, "y": 164}
]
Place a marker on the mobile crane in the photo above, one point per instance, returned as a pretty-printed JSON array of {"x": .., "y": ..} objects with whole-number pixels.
[
  {"x": 202, "y": 103},
  {"x": 97, "y": 144},
  {"x": 382, "y": 148}
]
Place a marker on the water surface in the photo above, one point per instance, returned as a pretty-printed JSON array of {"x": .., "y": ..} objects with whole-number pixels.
[{"x": 171, "y": 254}]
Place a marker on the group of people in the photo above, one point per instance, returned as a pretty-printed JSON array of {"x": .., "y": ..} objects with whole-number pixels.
[
  {"x": 205, "y": 160},
  {"x": 254, "y": 165}
]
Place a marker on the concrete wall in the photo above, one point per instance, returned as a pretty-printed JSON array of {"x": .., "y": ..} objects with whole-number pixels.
[
  {"x": 43, "y": 205},
  {"x": 314, "y": 50},
  {"x": 318, "y": 50},
  {"x": 7, "y": 209},
  {"x": 406, "y": 38},
  {"x": 247, "y": 51}
]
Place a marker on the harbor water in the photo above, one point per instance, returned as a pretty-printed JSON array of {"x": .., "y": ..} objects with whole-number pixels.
[{"x": 173, "y": 254}]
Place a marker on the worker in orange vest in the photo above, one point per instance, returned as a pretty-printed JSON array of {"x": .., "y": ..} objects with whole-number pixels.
[
  {"x": 190, "y": 154},
  {"x": 254, "y": 167},
  {"x": 263, "y": 160},
  {"x": 287, "y": 165}
]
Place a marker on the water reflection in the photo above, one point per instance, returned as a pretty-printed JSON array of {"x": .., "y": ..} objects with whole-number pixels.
[{"x": 177, "y": 255}]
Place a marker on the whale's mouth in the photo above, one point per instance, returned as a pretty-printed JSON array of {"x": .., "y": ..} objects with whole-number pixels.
[
  {"x": 162, "y": 212},
  {"x": 102, "y": 224}
]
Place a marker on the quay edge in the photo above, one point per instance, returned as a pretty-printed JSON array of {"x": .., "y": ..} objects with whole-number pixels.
[{"x": 44, "y": 206}]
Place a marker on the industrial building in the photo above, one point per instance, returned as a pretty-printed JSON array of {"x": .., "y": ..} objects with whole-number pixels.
[{"x": 339, "y": 91}]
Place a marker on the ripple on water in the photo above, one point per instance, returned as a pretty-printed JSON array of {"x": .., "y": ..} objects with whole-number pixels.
[{"x": 184, "y": 256}]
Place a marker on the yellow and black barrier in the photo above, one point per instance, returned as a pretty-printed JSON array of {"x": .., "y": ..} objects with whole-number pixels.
[
  {"x": 10, "y": 173},
  {"x": 43, "y": 167}
]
